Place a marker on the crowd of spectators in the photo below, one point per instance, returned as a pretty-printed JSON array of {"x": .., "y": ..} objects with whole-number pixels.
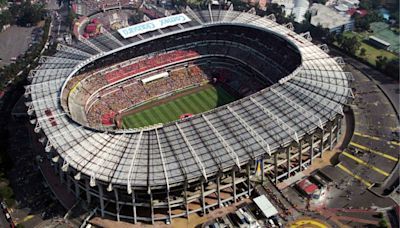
[
  {"x": 119, "y": 85},
  {"x": 134, "y": 92},
  {"x": 157, "y": 60}
]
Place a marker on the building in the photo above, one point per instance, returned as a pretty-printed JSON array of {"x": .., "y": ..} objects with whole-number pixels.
[
  {"x": 296, "y": 7},
  {"x": 331, "y": 19},
  {"x": 379, "y": 43}
]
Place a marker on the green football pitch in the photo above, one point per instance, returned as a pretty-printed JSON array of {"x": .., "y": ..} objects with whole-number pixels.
[{"x": 199, "y": 101}]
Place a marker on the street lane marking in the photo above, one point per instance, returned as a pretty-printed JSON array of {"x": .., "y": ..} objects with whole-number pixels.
[
  {"x": 365, "y": 164},
  {"x": 26, "y": 218},
  {"x": 376, "y": 138},
  {"x": 354, "y": 175},
  {"x": 374, "y": 151}
]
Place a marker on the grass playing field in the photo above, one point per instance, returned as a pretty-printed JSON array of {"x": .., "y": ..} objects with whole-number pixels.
[{"x": 199, "y": 101}]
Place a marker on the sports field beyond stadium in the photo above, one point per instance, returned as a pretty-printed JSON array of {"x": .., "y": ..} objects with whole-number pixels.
[{"x": 170, "y": 109}]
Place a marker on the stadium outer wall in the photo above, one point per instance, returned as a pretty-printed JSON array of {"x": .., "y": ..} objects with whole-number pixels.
[{"x": 237, "y": 183}]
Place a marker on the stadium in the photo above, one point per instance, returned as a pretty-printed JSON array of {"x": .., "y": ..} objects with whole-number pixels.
[{"x": 176, "y": 115}]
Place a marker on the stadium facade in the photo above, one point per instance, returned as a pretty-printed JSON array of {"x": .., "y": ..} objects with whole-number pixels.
[{"x": 194, "y": 165}]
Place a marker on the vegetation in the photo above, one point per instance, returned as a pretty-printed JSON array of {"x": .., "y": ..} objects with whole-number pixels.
[
  {"x": 197, "y": 102},
  {"x": 25, "y": 14},
  {"x": 383, "y": 223},
  {"x": 362, "y": 23},
  {"x": 354, "y": 44},
  {"x": 349, "y": 44}
]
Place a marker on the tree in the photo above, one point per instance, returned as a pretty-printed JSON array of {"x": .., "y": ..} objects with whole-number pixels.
[
  {"x": 392, "y": 69},
  {"x": 383, "y": 223},
  {"x": 26, "y": 13},
  {"x": 381, "y": 62},
  {"x": 361, "y": 23},
  {"x": 350, "y": 44},
  {"x": 362, "y": 51},
  {"x": 278, "y": 12},
  {"x": 369, "y": 4}
]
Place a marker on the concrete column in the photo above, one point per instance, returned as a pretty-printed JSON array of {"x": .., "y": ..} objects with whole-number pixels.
[
  {"x": 248, "y": 179},
  {"x": 151, "y": 207},
  {"x": 262, "y": 170},
  {"x": 101, "y": 198},
  {"x": 87, "y": 189},
  {"x": 134, "y": 207},
  {"x": 68, "y": 182},
  {"x": 234, "y": 185},
  {"x": 116, "y": 203},
  {"x": 289, "y": 169},
  {"x": 276, "y": 167},
  {"x": 77, "y": 190},
  {"x": 339, "y": 127},
  {"x": 312, "y": 148},
  {"x": 321, "y": 145},
  {"x": 219, "y": 192},
  {"x": 186, "y": 201},
  {"x": 330, "y": 138},
  {"x": 169, "y": 207},
  {"x": 203, "y": 201},
  {"x": 300, "y": 145},
  {"x": 61, "y": 173}
]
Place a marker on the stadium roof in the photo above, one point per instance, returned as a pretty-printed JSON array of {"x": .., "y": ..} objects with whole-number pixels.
[{"x": 172, "y": 154}]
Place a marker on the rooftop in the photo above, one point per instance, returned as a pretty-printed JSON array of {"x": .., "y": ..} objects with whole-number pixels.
[{"x": 327, "y": 17}]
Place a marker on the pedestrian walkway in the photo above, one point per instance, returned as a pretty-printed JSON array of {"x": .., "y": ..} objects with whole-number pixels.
[
  {"x": 342, "y": 167},
  {"x": 374, "y": 151},
  {"x": 376, "y": 138},
  {"x": 358, "y": 160},
  {"x": 308, "y": 222}
]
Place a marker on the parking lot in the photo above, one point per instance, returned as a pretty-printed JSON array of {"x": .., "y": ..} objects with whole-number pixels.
[{"x": 15, "y": 41}]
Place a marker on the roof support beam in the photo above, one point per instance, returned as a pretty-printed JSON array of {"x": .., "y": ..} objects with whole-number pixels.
[
  {"x": 324, "y": 47},
  {"x": 162, "y": 159},
  {"x": 210, "y": 12},
  {"x": 113, "y": 146},
  {"x": 304, "y": 92},
  {"x": 280, "y": 122},
  {"x": 197, "y": 159},
  {"x": 310, "y": 82},
  {"x": 56, "y": 60},
  {"x": 252, "y": 132},
  {"x": 90, "y": 44},
  {"x": 193, "y": 14},
  {"x": 307, "y": 36},
  {"x": 129, "y": 187},
  {"x": 113, "y": 38},
  {"x": 289, "y": 26},
  {"x": 65, "y": 48},
  {"x": 271, "y": 17},
  {"x": 316, "y": 120},
  {"x": 227, "y": 147}
]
